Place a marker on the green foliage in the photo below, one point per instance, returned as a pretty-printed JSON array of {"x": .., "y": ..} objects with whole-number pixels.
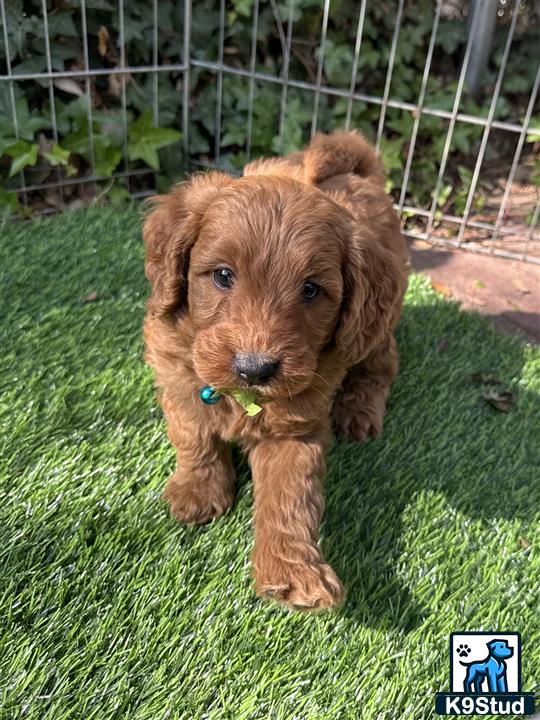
[
  {"x": 533, "y": 136},
  {"x": 9, "y": 203},
  {"x": 27, "y": 123},
  {"x": 462, "y": 192},
  {"x": 96, "y": 136},
  {"x": 89, "y": 138},
  {"x": 117, "y": 194},
  {"x": 145, "y": 140},
  {"x": 23, "y": 154},
  {"x": 57, "y": 155}
]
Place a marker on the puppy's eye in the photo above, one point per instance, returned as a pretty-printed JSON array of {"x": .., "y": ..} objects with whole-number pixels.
[
  {"x": 223, "y": 278},
  {"x": 310, "y": 291}
]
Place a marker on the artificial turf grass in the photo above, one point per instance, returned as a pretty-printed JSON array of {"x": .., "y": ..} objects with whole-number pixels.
[{"x": 109, "y": 609}]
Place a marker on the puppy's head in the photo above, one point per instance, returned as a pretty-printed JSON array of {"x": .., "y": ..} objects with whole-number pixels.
[{"x": 271, "y": 271}]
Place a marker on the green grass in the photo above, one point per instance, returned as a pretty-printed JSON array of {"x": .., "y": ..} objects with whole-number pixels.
[{"x": 110, "y": 609}]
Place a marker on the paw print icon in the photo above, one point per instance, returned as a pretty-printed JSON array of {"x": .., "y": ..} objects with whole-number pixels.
[{"x": 463, "y": 650}]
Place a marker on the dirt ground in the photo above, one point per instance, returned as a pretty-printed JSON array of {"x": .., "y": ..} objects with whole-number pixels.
[{"x": 506, "y": 291}]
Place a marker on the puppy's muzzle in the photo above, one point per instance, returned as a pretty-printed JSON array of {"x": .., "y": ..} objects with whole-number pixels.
[{"x": 254, "y": 368}]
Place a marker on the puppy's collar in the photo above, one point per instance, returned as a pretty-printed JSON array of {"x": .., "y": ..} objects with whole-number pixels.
[{"x": 210, "y": 396}]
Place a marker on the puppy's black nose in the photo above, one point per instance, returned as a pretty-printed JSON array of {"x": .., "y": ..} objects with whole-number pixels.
[{"x": 254, "y": 368}]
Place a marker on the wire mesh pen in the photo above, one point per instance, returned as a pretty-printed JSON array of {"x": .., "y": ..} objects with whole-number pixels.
[{"x": 318, "y": 80}]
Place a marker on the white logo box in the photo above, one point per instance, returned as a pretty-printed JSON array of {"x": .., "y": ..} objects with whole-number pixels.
[{"x": 477, "y": 643}]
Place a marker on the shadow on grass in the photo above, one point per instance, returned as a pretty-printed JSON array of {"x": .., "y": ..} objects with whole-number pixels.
[
  {"x": 80, "y": 395},
  {"x": 440, "y": 436}
]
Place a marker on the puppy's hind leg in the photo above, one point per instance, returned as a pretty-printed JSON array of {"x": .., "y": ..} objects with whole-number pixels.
[
  {"x": 202, "y": 486},
  {"x": 361, "y": 402}
]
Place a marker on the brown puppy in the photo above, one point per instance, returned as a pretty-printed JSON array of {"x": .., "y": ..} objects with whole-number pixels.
[{"x": 289, "y": 282}]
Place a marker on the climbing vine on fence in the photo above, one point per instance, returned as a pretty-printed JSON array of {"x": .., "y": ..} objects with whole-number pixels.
[{"x": 85, "y": 130}]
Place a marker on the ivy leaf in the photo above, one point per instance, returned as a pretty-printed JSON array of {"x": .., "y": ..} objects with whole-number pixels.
[
  {"x": 145, "y": 140},
  {"x": 516, "y": 83},
  {"x": 78, "y": 142},
  {"x": 34, "y": 64},
  {"x": 106, "y": 159},
  {"x": 22, "y": 154},
  {"x": 9, "y": 202},
  {"x": 370, "y": 56},
  {"x": 243, "y": 7},
  {"x": 297, "y": 117},
  {"x": 118, "y": 195},
  {"x": 533, "y": 135},
  {"x": 463, "y": 138},
  {"x": 391, "y": 153},
  {"x": 5, "y": 142},
  {"x": 61, "y": 23},
  {"x": 57, "y": 155},
  {"x": 450, "y": 35},
  {"x": 337, "y": 62},
  {"x": 235, "y": 134},
  {"x": 134, "y": 27},
  {"x": 107, "y": 154},
  {"x": 444, "y": 194},
  {"x": 27, "y": 124},
  {"x": 401, "y": 123},
  {"x": 74, "y": 110}
]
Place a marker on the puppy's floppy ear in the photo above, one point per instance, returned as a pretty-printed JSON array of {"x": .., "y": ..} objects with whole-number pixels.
[
  {"x": 374, "y": 283},
  {"x": 169, "y": 233}
]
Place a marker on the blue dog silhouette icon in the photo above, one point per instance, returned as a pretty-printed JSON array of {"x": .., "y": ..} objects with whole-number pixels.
[{"x": 492, "y": 669}]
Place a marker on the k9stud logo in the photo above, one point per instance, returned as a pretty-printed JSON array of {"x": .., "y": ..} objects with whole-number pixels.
[{"x": 485, "y": 676}]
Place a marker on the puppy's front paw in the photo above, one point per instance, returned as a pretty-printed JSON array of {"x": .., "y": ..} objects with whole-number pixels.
[
  {"x": 300, "y": 586},
  {"x": 197, "y": 500}
]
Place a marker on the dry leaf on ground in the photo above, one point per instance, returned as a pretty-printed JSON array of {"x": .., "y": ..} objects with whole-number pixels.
[
  {"x": 442, "y": 289},
  {"x": 442, "y": 345},
  {"x": 500, "y": 399},
  {"x": 91, "y": 297}
]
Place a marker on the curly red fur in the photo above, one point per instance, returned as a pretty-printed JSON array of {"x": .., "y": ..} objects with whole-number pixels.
[{"x": 320, "y": 215}]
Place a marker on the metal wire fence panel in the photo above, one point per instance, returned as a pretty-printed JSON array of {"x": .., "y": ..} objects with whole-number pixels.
[{"x": 241, "y": 78}]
